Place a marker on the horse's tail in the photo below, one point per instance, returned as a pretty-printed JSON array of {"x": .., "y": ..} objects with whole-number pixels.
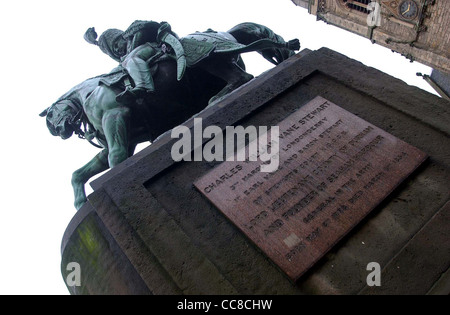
[{"x": 247, "y": 33}]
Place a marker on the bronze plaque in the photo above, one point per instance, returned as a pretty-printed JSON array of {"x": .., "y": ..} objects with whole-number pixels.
[{"x": 334, "y": 168}]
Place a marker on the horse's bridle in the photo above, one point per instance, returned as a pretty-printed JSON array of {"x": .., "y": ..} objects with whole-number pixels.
[{"x": 80, "y": 123}]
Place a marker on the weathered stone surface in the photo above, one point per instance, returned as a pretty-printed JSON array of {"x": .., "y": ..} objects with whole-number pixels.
[
  {"x": 408, "y": 272},
  {"x": 104, "y": 269},
  {"x": 174, "y": 238},
  {"x": 333, "y": 168}
]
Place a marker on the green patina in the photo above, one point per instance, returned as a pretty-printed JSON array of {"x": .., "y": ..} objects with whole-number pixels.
[{"x": 119, "y": 109}]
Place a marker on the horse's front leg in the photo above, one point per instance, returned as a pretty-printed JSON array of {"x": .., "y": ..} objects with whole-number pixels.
[
  {"x": 115, "y": 127},
  {"x": 80, "y": 177}
]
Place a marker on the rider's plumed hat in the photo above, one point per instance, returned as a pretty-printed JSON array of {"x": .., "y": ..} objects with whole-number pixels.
[{"x": 106, "y": 40}]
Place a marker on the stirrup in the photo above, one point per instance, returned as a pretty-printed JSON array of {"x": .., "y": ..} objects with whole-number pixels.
[{"x": 126, "y": 96}]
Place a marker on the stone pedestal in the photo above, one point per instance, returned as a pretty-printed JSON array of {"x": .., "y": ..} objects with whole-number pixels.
[{"x": 147, "y": 230}]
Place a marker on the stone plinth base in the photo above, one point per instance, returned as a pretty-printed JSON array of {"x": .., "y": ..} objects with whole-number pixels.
[{"x": 147, "y": 230}]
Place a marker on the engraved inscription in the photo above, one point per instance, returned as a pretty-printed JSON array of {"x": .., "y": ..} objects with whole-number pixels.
[{"x": 334, "y": 169}]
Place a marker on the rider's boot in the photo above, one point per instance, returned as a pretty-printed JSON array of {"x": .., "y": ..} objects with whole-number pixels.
[{"x": 142, "y": 78}]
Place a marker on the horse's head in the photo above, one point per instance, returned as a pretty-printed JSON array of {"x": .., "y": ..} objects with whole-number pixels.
[{"x": 63, "y": 118}]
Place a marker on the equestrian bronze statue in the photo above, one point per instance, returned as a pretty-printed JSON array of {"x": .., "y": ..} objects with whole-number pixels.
[{"x": 160, "y": 82}]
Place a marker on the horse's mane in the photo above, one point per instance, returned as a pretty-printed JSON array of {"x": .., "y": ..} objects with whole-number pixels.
[{"x": 72, "y": 94}]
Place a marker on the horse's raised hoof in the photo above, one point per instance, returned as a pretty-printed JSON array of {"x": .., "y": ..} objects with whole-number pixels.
[
  {"x": 79, "y": 204},
  {"x": 216, "y": 99}
]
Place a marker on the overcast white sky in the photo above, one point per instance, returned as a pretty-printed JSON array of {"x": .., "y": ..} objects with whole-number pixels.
[{"x": 44, "y": 55}]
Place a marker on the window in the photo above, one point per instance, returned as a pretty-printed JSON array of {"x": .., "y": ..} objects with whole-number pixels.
[{"x": 358, "y": 5}]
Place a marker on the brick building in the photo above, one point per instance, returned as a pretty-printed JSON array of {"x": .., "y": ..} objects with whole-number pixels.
[{"x": 417, "y": 29}]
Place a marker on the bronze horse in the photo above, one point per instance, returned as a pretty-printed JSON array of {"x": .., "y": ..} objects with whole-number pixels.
[{"x": 91, "y": 109}]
